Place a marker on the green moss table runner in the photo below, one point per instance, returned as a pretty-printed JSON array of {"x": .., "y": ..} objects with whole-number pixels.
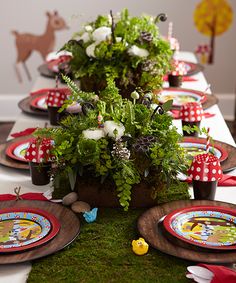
[{"x": 103, "y": 253}]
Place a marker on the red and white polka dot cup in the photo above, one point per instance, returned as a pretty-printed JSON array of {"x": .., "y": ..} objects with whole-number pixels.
[
  {"x": 205, "y": 172},
  {"x": 39, "y": 156},
  {"x": 176, "y": 75},
  {"x": 191, "y": 114},
  {"x": 55, "y": 99}
]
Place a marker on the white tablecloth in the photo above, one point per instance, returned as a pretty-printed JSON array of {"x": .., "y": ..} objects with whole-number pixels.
[{"x": 10, "y": 178}]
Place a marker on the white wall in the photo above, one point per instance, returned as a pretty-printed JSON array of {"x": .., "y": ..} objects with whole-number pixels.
[{"x": 29, "y": 16}]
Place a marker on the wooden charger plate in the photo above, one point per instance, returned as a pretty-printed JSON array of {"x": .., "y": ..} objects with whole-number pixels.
[
  {"x": 25, "y": 106},
  {"x": 69, "y": 230},
  {"x": 229, "y": 163},
  {"x": 46, "y": 72},
  {"x": 153, "y": 234},
  {"x": 10, "y": 162}
]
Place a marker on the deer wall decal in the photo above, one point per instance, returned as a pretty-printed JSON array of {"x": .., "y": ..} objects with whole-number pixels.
[{"x": 26, "y": 43}]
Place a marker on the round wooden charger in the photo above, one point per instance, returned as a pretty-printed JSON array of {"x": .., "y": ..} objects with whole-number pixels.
[
  {"x": 229, "y": 163},
  {"x": 70, "y": 228},
  {"x": 45, "y": 72},
  {"x": 9, "y": 162},
  {"x": 195, "y": 68},
  {"x": 153, "y": 234},
  {"x": 25, "y": 106}
]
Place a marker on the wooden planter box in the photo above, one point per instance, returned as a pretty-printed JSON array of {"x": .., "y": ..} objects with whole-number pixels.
[{"x": 96, "y": 194}]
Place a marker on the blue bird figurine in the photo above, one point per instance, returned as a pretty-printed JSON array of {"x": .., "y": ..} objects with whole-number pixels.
[{"x": 90, "y": 216}]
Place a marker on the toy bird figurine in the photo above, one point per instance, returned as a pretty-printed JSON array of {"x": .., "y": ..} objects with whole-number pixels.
[
  {"x": 90, "y": 216},
  {"x": 140, "y": 247}
]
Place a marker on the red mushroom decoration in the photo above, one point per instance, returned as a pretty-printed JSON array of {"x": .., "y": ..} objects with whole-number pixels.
[
  {"x": 55, "y": 99},
  {"x": 205, "y": 167},
  {"x": 191, "y": 112},
  {"x": 39, "y": 150},
  {"x": 57, "y": 96},
  {"x": 40, "y": 157}
]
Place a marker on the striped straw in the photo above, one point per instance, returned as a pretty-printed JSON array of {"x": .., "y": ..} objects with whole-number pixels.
[
  {"x": 207, "y": 143},
  {"x": 170, "y": 30}
]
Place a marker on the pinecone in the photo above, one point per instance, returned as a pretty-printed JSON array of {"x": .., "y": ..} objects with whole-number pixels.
[
  {"x": 120, "y": 151},
  {"x": 145, "y": 37}
]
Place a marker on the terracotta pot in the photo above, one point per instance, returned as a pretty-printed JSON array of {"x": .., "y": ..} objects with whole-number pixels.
[
  {"x": 54, "y": 115},
  {"x": 175, "y": 81},
  {"x": 40, "y": 173},
  {"x": 191, "y": 124}
]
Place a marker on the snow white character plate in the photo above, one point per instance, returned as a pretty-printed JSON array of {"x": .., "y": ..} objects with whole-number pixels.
[
  {"x": 212, "y": 227},
  {"x": 23, "y": 228}
]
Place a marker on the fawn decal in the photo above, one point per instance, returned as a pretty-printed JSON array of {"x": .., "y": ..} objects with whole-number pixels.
[{"x": 26, "y": 43}]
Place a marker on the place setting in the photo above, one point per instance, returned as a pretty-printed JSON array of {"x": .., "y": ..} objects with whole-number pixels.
[
  {"x": 32, "y": 229},
  {"x": 36, "y": 103},
  {"x": 55, "y": 63}
]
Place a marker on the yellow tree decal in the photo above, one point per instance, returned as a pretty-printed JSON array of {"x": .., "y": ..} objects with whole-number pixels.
[{"x": 212, "y": 18}]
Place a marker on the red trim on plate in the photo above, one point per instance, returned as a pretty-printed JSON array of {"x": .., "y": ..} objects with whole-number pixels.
[
  {"x": 224, "y": 153},
  {"x": 199, "y": 93},
  {"x": 11, "y": 148},
  {"x": 171, "y": 216},
  {"x": 50, "y": 217}
]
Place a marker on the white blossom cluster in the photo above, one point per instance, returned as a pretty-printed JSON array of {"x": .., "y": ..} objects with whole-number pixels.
[{"x": 104, "y": 33}]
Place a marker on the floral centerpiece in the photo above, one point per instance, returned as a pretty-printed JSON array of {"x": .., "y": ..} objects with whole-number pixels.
[
  {"x": 118, "y": 141},
  {"x": 127, "y": 49}
]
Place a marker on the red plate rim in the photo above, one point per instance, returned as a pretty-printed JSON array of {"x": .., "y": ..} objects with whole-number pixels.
[
  {"x": 197, "y": 92},
  {"x": 12, "y": 146},
  {"x": 50, "y": 217},
  {"x": 224, "y": 153},
  {"x": 169, "y": 218},
  {"x": 34, "y": 102}
]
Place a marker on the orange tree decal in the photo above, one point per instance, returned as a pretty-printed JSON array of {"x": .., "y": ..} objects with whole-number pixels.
[{"x": 213, "y": 18}]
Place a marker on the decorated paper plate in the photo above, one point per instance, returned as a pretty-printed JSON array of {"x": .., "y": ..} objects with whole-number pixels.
[
  {"x": 212, "y": 227},
  {"x": 195, "y": 146},
  {"x": 24, "y": 228},
  {"x": 39, "y": 102},
  {"x": 16, "y": 150},
  {"x": 181, "y": 96},
  {"x": 192, "y": 68}
]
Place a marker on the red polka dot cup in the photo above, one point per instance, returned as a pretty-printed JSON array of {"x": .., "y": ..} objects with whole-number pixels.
[
  {"x": 39, "y": 156},
  {"x": 205, "y": 172},
  {"x": 55, "y": 99},
  {"x": 191, "y": 114}
]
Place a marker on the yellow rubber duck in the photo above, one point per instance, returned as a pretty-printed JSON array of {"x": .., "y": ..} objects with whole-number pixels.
[{"x": 140, "y": 247}]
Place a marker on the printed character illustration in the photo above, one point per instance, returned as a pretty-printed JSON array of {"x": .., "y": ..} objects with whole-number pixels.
[
  {"x": 210, "y": 229},
  {"x": 26, "y": 43},
  {"x": 18, "y": 231},
  {"x": 212, "y": 18}
]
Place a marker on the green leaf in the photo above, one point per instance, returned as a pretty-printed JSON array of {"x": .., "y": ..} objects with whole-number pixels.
[{"x": 167, "y": 105}]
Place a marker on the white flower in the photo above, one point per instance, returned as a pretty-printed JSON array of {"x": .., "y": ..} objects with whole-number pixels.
[
  {"x": 85, "y": 37},
  {"x": 101, "y": 34},
  {"x": 136, "y": 51},
  {"x": 93, "y": 134},
  {"x": 91, "y": 49},
  {"x": 113, "y": 129},
  {"x": 75, "y": 107},
  {"x": 88, "y": 28}
]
